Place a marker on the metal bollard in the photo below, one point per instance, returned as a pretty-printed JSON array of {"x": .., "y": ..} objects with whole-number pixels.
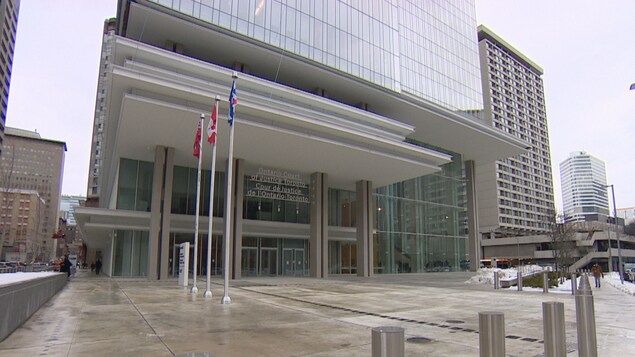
[
  {"x": 496, "y": 280},
  {"x": 491, "y": 334},
  {"x": 519, "y": 280},
  {"x": 585, "y": 319},
  {"x": 554, "y": 329},
  {"x": 545, "y": 282},
  {"x": 388, "y": 341},
  {"x": 574, "y": 283}
]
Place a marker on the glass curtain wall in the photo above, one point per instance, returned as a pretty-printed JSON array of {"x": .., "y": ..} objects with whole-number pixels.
[
  {"x": 184, "y": 192},
  {"x": 130, "y": 253},
  {"x": 134, "y": 190},
  {"x": 422, "y": 223}
]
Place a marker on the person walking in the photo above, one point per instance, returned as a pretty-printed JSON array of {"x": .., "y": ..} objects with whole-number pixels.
[
  {"x": 597, "y": 274},
  {"x": 66, "y": 266},
  {"x": 97, "y": 266}
]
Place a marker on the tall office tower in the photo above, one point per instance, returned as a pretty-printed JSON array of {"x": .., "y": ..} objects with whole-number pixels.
[
  {"x": 584, "y": 192},
  {"x": 9, "y": 16},
  {"x": 30, "y": 162},
  {"x": 515, "y": 195},
  {"x": 96, "y": 151},
  {"x": 353, "y": 154}
]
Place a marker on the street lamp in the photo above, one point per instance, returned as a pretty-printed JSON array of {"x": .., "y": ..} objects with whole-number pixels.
[{"x": 617, "y": 233}]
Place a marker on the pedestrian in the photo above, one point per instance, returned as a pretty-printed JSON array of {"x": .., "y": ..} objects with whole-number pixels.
[
  {"x": 97, "y": 266},
  {"x": 66, "y": 266},
  {"x": 92, "y": 266},
  {"x": 597, "y": 274}
]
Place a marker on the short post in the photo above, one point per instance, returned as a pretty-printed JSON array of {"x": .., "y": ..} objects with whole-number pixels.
[
  {"x": 496, "y": 280},
  {"x": 574, "y": 283},
  {"x": 554, "y": 329},
  {"x": 545, "y": 281},
  {"x": 519, "y": 280},
  {"x": 491, "y": 334},
  {"x": 585, "y": 319},
  {"x": 388, "y": 341}
]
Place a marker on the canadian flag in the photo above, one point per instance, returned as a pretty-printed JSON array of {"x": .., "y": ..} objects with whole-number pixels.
[{"x": 211, "y": 127}]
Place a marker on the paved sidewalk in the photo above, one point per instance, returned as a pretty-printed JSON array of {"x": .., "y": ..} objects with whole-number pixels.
[{"x": 99, "y": 316}]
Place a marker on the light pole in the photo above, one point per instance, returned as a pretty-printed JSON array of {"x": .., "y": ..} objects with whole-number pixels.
[{"x": 617, "y": 234}]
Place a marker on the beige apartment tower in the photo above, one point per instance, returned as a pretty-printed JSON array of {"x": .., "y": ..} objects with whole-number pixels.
[{"x": 515, "y": 195}]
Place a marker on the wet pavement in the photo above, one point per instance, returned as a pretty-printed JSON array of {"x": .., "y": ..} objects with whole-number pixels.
[{"x": 100, "y": 316}]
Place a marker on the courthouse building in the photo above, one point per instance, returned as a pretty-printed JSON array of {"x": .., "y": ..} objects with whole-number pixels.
[{"x": 356, "y": 137}]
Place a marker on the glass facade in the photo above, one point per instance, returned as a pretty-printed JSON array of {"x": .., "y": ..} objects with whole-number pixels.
[
  {"x": 184, "y": 192},
  {"x": 134, "y": 190},
  {"x": 421, "y": 224},
  {"x": 269, "y": 199},
  {"x": 130, "y": 253},
  {"x": 342, "y": 208},
  {"x": 427, "y": 48}
]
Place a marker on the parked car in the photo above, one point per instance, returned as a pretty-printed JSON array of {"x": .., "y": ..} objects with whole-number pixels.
[{"x": 629, "y": 275}]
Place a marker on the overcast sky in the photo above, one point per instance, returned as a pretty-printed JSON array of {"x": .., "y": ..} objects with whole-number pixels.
[{"x": 586, "y": 49}]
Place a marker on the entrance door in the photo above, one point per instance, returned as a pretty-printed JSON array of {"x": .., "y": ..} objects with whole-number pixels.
[
  {"x": 293, "y": 262},
  {"x": 250, "y": 261},
  {"x": 269, "y": 261}
]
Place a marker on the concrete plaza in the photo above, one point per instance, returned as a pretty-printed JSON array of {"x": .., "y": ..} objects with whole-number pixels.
[{"x": 100, "y": 316}]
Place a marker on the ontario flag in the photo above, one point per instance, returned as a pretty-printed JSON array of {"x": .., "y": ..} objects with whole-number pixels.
[
  {"x": 233, "y": 101},
  {"x": 211, "y": 126},
  {"x": 197, "y": 141}
]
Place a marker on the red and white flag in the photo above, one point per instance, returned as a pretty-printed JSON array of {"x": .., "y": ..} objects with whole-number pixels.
[
  {"x": 211, "y": 126},
  {"x": 197, "y": 141}
]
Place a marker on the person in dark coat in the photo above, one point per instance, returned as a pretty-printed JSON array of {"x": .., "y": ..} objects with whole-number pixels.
[
  {"x": 97, "y": 266},
  {"x": 66, "y": 266}
]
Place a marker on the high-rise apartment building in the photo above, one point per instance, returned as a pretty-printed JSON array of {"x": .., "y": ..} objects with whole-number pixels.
[
  {"x": 96, "y": 152},
  {"x": 29, "y": 162},
  {"x": 9, "y": 10},
  {"x": 515, "y": 195},
  {"x": 353, "y": 154},
  {"x": 584, "y": 190}
]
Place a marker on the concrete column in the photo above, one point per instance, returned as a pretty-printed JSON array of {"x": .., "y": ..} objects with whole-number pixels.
[
  {"x": 318, "y": 240},
  {"x": 474, "y": 238},
  {"x": 154, "y": 244},
  {"x": 168, "y": 179},
  {"x": 364, "y": 225},
  {"x": 237, "y": 218}
]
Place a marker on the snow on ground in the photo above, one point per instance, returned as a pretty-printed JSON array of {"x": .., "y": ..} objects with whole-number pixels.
[
  {"x": 11, "y": 278},
  {"x": 486, "y": 276}
]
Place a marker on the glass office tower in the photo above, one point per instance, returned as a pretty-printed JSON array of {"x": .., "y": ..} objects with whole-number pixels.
[
  {"x": 426, "y": 49},
  {"x": 356, "y": 144}
]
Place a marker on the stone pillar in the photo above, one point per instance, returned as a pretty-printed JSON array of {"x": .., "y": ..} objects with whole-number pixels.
[
  {"x": 166, "y": 209},
  {"x": 364, "y": 225},
  {"x": 154, "y": 244},
  {"x": 318, "y": 240},
  {"x": 237, "y": 219},
  {"x": 474, "y": 238}
]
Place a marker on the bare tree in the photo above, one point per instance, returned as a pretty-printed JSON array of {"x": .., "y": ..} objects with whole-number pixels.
[{"x": 563, "y": 243}]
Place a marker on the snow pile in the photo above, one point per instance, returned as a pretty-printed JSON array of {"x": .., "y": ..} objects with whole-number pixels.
[
  {"x": 486, "y": 276},
  {"x": 11, "y": 278},
  {"x": 613, "y": 279}
]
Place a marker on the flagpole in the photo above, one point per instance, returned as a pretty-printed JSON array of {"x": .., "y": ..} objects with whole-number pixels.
[
  {"x": 208, "y": 291},
  {"x": 228, "y": 204},
  {"x": 198, "y": 203}
]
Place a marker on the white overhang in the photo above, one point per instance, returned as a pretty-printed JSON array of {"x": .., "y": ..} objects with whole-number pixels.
[{"x": 433, "y": 124}]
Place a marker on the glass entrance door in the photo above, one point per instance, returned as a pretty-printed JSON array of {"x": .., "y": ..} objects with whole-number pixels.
[
  {"x": 294, "y": 262},
  {"x": 269, "y": 261}
]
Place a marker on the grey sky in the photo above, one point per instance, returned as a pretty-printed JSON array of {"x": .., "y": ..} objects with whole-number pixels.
[{"x": 586, "y": 49}]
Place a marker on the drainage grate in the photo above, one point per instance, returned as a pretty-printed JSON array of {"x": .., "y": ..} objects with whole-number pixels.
[{"x": 419, "y": 340}]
